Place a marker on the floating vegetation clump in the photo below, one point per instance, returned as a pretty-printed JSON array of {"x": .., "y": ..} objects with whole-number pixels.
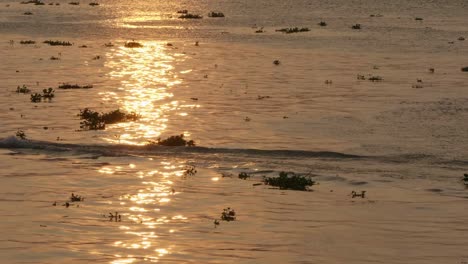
[
  {"x": 20, "y": 134},
  {"x": 356, "y": 26},
  {"x": 74, "y": 3},
  {"x": 54, "y": 58},
  {"x": 190, "y": 16},
  {"x": 276, "y": 62},
  {"x": 108, "y": 45},
  {"x": 36, "y": 98},
  {"x": 35, "y": 2},
  {"x": 322, "y": 24},
  {"x": 464, "y": 69},
  {"x": 185, "y": 11},
  {"x": 48, "y": 93},
  {"x": 289, "y": 181},
  {"x": 97, "y": 121},
  {"x": 375, "y": 79},
  {"x": 93, "y": 4},
  {"x": 58, "y": 43},
  {"x": 27, "y": 42},
  {"x": 133, "y": 44},
  {"x": 22, "y": 89},
  {"x": 76, "y": 198},
  {"x": 244, "y": 175},
  {"x": 27, "y": 13},
  {"x": 174, "y": 141},
  {"x": 215, "y": 14},
  {"x": 74, "y": 86},
  {"x": 355, "y": 194},
  {"x": 418, "y": 19},
  {"x": 228, "y": 214},
  {"x": 190, "y": 171},
  {"x": 293, "y": 30}
]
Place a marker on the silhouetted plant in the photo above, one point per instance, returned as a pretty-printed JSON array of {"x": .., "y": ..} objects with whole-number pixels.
[
  {"x": 289, "y": 180},
  {"x": 215, "y": 14},
  {"x": 35, "y": 97},
  {"x": 322, "y": 24},
  {"x": 190, "y": 16},
  {"x": 190, "y": 171},
  {"x": 96, "y": 121},
  {"x": 48, "y": 93},
  {"x": 76, "y": 198},
  {"x": 174, "y": 141},
  {"x": 133, "y": 44},
  {"x": 228, "y": 214},
  {"x": 57, "y": 43},
  {"x": 27, "y": 42},
  {"x": 244, "y": 175},
  {"x": 20, "y": 134},
  {"x": 74, "y": 86},
  {"x": 375, "y": 78},
  {"x": 293, "y": 30},
  {"x": 22, "y": 89}
]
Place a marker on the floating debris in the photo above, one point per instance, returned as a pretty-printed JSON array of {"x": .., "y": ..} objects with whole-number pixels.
[
  {"x": 461, "y": 38},
  {"x": 276, "y": 62},
  {"x": 215, "y": 14},
  {"x": 22, "y": 89},
  {"x": 289, "y": 181},
  {"x": 97, "y": 121},
  {"x": 93, "y": 4},
  {"x": 464, "y": 69},
  {"x": 244, "y": 175},
  {"x": 57, "y": 43},
  {"x": 133, "y": 44},
  {"x": 74, "y": 3},
  {"x": 190, "y": 171},
  {"x": 431, "y": 70},
  {"x": 109, "y": 44},
  {"x": 375, "y": 78},
  {"x": 356, "y": 26},
  {"x": 228, "y": 214},
  {"x": 27, "y": 42},
  {"x": 115, "y": 217},
  {"x": 27, "y": 13},
  {"x": 216, "y": 223},
  {"x": 293, "y": 30},
  {"x": 173, "y": 141},
  {"x": 328, "y": 82},
  {"x": 76, "y": 198},
  {"x": 35, "y": 97},
  {"x": 54, "y": 58},
  {"x": 20, "y": 134},
  {"x": 418, "y": 19},
  {"x": 465, "y": 179},
  {"x": 355, "y": 194},
  {"x": 190, "y": 16},
  {"x": 74, "y": 86},
  {"x": 263, "y": 97},
  {"x": 185, "y": 11},
  {"x": 322, "y": 24},
  {"x": 247, "y": 119},
  {"x": 48, "y": 93}
]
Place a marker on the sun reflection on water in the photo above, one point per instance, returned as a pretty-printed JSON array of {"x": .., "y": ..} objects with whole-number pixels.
[
  {"x": 145, "y": 219},
  {"x": 146, "y": 77}
]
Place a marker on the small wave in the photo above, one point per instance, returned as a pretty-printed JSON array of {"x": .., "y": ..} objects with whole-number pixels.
[{"x": 123, "y": 150}]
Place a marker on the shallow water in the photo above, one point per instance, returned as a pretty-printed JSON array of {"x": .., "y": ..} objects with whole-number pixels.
[{"x": 405, "y": 146}]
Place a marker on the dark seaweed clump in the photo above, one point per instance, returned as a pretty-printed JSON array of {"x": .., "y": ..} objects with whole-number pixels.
[
  {"x": 97, "y": 121},
  {"x": 36, "y": 2},
  {"x": 228, "y": 214},
  {"x": 289, "y": 181},
  {"x": 293, "y": 30},
  {"x": 74, "y": 86},
  {"x": 22, "y": 89},
  {"x": 190, "y": 16},
  {"x": 215, "y": 14},
  {"x": 58, "y": 43},
  {"x": 27, "y": 42},
  {"x": 133, "y": 44},
  {"x": 174, "y": 141}
]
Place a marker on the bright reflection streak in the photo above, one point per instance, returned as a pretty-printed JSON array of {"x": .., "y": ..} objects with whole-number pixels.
[
  {"x": 146, "y": 219},
  {"x": 146, "y": 76}
]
